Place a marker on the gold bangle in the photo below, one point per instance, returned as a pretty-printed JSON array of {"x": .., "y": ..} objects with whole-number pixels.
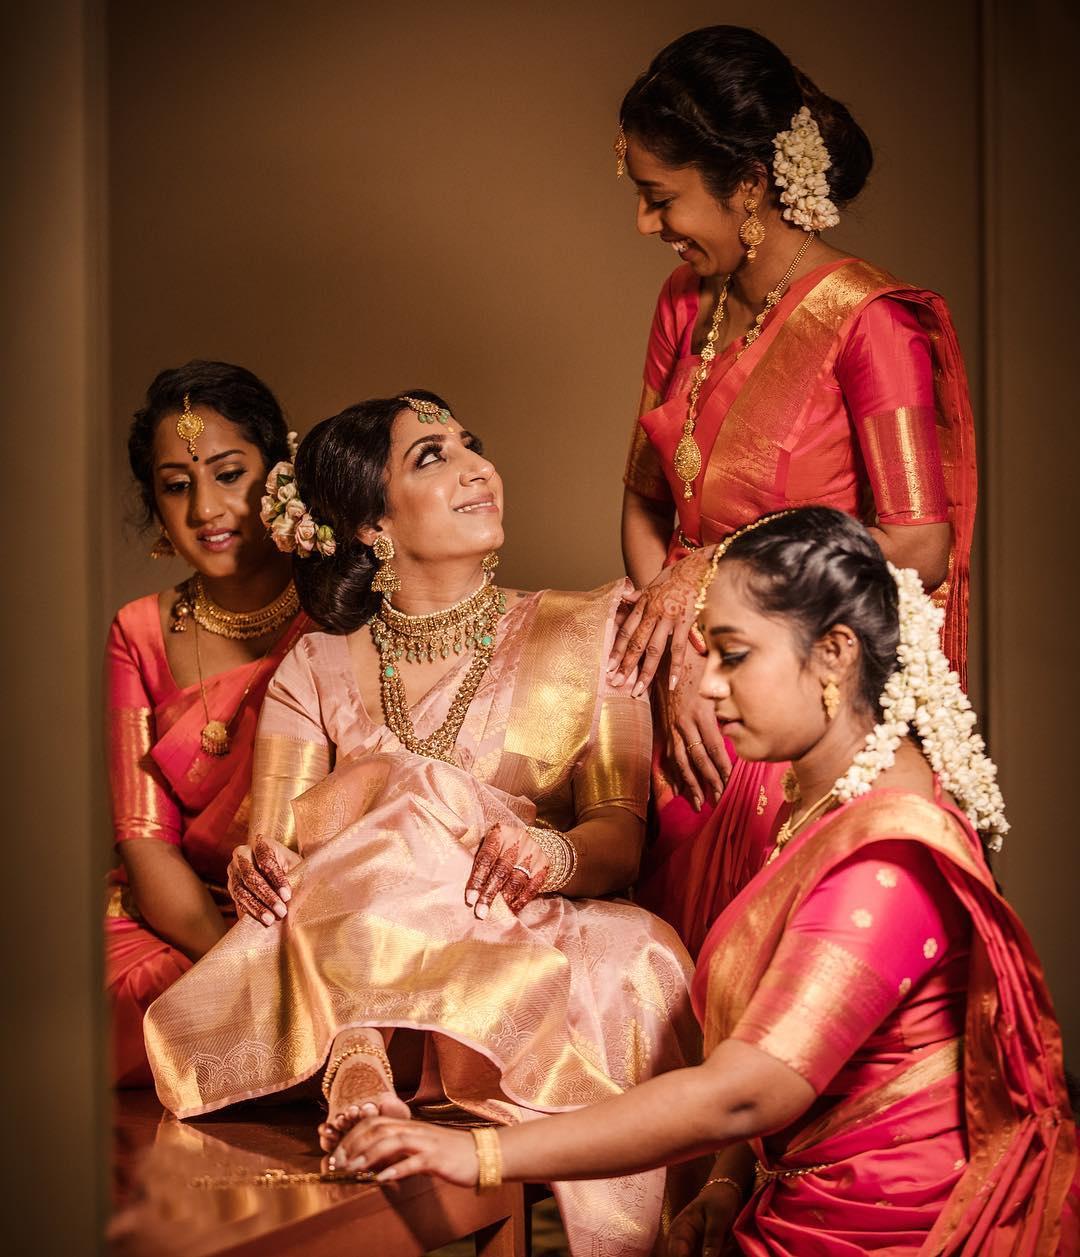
[
  {"x": 488, "y": 1158},
  {"x": 728, "y": 1181},
  {"x": 362, "y": 1048},
  {"x": 561, "y": 855}
]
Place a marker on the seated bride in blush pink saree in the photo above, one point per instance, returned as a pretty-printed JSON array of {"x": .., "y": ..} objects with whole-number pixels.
[
  {"x": 883, "y": 1070},
  {"x": 514, "y": 1004}
]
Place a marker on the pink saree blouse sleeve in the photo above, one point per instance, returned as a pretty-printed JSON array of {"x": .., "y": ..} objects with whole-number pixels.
[
  {"x": 292, "y": 749},
  {"x": 143, "y": 806},
  {"x": 865, "y": 936},
  {"x": 614, "y": 771},
  {"x": 885, "y": 371}
]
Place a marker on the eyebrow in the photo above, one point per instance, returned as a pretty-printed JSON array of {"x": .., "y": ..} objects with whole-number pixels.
[
  {"x": 723, "y": 628},
  {"x": 214, "y": 458}
]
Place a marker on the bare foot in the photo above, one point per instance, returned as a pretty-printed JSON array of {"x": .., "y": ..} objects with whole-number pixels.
[
  {"x": 363, "y": 1075},
  {"x": 332, "y": 1131}
]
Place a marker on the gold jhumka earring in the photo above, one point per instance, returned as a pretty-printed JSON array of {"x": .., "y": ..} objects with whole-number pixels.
[
  {"x": 385, "y": 580},
  {"x": 490, "y": 562},
  {"x": 830, "y": 697},
  {"x": 620, "y": 153},
  {"x": 189, "y": 427},
  {"x": 163, "y": 548},
  {"x": 752, "y": 231}
]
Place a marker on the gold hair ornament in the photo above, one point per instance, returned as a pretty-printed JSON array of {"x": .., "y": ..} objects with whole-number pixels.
[
  {"x": 189, "y": 427},
  {"x": 620, "y": 153},
  {"x": 427, "y": 412},
  {"x": 722, "y": 548}
]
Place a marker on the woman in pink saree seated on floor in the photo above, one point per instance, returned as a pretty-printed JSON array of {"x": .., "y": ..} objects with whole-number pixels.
[
  {"x": 185, "y": 673},
  {"x": 461, "y": 783},
  {"x": 877, "y": 1025},
  {"x": 826, "y": 380}
]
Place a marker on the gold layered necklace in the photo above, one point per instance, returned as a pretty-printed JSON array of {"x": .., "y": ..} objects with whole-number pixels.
[
  {"x": 687, "y": 460},
  {"x": 194, "y": 603},
  {"x": 468, "y": 625}
]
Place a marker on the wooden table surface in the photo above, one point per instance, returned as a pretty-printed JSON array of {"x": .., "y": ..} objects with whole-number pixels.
[{"x": 163, "y": 1211}]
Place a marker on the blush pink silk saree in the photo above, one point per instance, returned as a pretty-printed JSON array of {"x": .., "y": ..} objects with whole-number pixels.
[
  {"x": 913, "y": 1003},
  {"x": 566, "y": 1003},
  {"x": 854, "y": 396}
]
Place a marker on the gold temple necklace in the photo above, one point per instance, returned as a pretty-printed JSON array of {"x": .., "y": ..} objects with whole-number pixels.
[
  {"x": 687, "y": 460},
  {"x": 468, "y": 625},
  {"x": 194, "y": 603}
]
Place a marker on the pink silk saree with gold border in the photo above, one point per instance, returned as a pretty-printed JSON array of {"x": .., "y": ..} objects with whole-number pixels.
[{"x": 1006, "y": 1070}]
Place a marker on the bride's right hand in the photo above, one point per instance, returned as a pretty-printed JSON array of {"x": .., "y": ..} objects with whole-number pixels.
[
  {"x": 257, "y": 879},
  {"x": 664, "y": 611}
]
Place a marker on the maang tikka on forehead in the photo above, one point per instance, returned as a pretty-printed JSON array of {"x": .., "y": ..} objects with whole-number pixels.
[
  {"x": 189, "y": 427},
  {"x": 427, "y": 412}
]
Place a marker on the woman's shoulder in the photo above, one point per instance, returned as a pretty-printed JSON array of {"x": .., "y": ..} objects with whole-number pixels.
[{"x": 139, "y": 621}]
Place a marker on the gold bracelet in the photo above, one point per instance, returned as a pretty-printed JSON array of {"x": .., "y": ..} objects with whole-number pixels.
[
  {"x": 488, "y": 1158},
  {"x": 362, "y": 1048},
  {"x": 561, "y": 855},
  {"x": 728, "y": 1181}
]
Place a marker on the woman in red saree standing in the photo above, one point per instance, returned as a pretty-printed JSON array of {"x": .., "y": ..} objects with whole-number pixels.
[
  {"x": 186, "y": 671},
  {"x": 780, "y": 371},
  {"x": 883, "y": 1067}
]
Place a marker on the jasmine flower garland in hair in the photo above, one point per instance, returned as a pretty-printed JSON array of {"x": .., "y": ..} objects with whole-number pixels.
[
  {"x": 923, "y": 696},
  {"x": 799, "y": 172}
]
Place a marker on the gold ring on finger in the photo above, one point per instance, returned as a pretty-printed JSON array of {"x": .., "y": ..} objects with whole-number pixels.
[{"x": 690, "y": 745}]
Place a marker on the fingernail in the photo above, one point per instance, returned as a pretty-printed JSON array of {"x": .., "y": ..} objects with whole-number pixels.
[
  {"x": 280, "y": 910},
  {"x": 716, "y": 796},
  {"x": 697, "y": 803},
  {"x": 391, "y": 1172},
  {"x": 481, "y": 911},
  {"x": 471, "y": 896},
  {"x": 360, "y": 1161},
  {"x": 354, "y": 1110},
  {"x": 285, "y": 893},
  {"x": 673, "y": 681},
  {"x": 370, "y": 1109},
  {"x": 638, "y": 690},
  {"x": 617, "y": 679},
  {"x": 332, "y": 1164},
  {"x": 267, "y": 918}
]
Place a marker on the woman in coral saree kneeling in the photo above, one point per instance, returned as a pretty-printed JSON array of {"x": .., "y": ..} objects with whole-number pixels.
[
  {"x": 878, "y": 1032},
  {"x": 434, "y": 939}
]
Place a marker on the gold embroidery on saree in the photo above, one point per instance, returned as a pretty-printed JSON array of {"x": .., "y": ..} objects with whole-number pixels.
[
  {"x": 616, "y": 768},
  {"x": 284, "y": 768},
  {"x": 898, "y": 446},
  {"x": 138, "y": 788}
]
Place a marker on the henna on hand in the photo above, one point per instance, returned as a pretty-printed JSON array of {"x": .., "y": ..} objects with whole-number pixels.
[
  {"x": 356, "y": 1082},
  {"x": 267, "y": 861},
  {"x": 258, "y": 886},
  {"x": 483, "y": 863},
  {"x": 528, "y": 892}
]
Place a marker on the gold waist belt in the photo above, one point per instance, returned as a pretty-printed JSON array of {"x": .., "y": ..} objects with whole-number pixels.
[{"x": 763, "y": 1175}]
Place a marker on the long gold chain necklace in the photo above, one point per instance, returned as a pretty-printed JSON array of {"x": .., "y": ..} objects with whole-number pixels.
[
  {"x": 687, "y": 460},
  {"x": 791, "y": 826},
  {"x": 194, "y": 603},
  {"x": 468, "y": 625},
  {"x": 214, "y": 735}
]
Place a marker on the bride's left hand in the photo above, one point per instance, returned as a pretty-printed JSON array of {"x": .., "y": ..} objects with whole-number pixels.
[
  {"x": 395, "y": 1149},
  {"x": 509, "y": 861}
]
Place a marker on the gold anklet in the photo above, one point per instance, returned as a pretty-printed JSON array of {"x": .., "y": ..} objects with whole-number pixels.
[
  {"x": 362, "y": 1048},
  {"x": 488, "y": 1158}
]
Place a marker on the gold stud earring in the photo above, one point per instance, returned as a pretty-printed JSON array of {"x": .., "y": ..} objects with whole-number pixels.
[
  {"x": 163, "y": 548},
  {"x": 385, "y": 580},
  {"x": 752, "y": 231},
  {"x": 830, "y": 697}
]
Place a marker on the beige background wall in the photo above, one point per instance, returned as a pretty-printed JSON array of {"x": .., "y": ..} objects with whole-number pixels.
[{"x": 352, "y": 198}]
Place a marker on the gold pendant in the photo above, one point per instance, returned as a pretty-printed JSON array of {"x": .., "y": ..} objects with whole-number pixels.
[
  {"x": 214, "y": 738},
  {"x": 687, "y": 461}
]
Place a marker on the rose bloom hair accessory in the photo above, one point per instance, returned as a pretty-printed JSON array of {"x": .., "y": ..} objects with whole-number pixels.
[{"x": 290, "y": 524}]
